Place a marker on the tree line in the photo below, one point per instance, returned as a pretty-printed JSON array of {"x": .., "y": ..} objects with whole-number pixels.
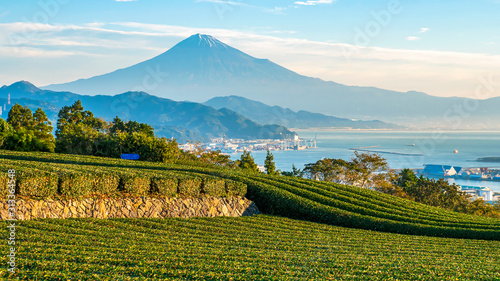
[
  {"x": 367, "y": 170},
  {"x": 80, "y": 132}
]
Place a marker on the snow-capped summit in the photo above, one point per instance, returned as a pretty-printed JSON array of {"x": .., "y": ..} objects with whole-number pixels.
[{"x": 202, "y": 40}]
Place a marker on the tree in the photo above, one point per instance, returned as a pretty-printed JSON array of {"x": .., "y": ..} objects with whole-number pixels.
[
  {"x": 41, "y": 124},
  {"x": 42, "y": 129},
  {"x": 407, "y": 180},
  {"x": 270, "y": 165},
  {"x": 246, "y": 162},
  {"x": 20, "y": 117},
  {"x": 366, "y": 165},
  {"x": 363, "y": 170},
  {"x": 31, "y": 132},
  {"x": 72, "y": 116},
  {"x": 130, "y": 127},
  {"x": 385, "y": 183},
  {"x": 5, "y": 130},
  {"x": 294, "y": 173},
  {"x": 78, "y": 130},
  {"x": 438, "y": 193},
  {"x": 25, "y": 140},
  {"x": 332, "y": 170}
]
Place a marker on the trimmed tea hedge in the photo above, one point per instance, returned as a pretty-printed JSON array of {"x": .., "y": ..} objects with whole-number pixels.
[
  {"x": 189, "y": 186},
  {"x": 214, "y": 186},
  {"x": 235, "y": 188},
  {"x": 134, "y": 184},
  {"x": 4, "y": 180},
  {"x": 105, "y": 183},
  {"x": 164, "y": 185},
  {"x": 36, "y": 183},
  {"x": 75, "y": 184}
]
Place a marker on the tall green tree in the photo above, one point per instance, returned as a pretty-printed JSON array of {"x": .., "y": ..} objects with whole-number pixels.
[
  {"x": 42, "y": 129},
  {"x": 247, "y": 162},
  {"x": 31, "y": 131},
  {"x": 78, "y": 130},
  {"x": 270, "y": 165},
  {"x": 70, "y": 117},
  {"x": 20, "y": 117}
]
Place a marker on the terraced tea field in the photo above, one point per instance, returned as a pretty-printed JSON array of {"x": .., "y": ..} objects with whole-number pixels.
[
  {"x": 284, "y": 196},
  {"x": 312, "y": 231},
  {"x": 248, "y": 248}
]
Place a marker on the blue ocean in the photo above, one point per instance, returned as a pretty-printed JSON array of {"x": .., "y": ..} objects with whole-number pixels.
[{"x": 402, "y": 149}]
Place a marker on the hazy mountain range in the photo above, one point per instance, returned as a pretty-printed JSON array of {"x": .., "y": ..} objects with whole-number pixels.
[
  {"x": 265, "y": 114},
  {"x": 201, "y": 67}
]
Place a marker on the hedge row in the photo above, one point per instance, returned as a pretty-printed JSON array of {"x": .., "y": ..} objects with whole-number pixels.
[{"x": 38, "y": 183}]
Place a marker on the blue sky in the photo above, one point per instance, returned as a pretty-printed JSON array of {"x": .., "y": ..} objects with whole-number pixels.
[{"x": 443, "y": 48}]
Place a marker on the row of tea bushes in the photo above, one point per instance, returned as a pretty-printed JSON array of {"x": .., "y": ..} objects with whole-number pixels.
[{"x": 71, "y": 183}]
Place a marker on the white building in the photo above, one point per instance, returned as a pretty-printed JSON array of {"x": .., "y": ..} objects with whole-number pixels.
[
  {"x": 262, "y": 169},
  {"x": 485, "y": 192}
]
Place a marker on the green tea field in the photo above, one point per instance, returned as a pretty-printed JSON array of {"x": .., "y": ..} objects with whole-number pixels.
[
  {"x": 310, "y": 230},
  {"x": 247, "y": 248}
]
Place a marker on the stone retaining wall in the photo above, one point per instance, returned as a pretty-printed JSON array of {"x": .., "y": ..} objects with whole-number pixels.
[{"x": 131, "y": 208}]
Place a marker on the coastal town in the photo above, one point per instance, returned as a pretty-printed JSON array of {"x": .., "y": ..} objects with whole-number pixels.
[{"x": 231, "y": 146}]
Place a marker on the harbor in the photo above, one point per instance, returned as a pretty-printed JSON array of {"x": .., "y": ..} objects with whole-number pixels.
[
  {"x": 477, "y": 182},
  {"x": 233, "y": 146}
]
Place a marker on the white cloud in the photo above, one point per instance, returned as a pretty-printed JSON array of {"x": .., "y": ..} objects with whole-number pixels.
[
  {"x": 225, "y": 2},
  {"x": 313, "y": 2},
  {"x": 412, "y": 38},
  {"x": 276, "y": 10},
  {"x": 423, "y": 30}
]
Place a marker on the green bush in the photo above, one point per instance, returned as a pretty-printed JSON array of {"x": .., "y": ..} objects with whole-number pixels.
[
  {"x": 164, "y": 185},
  {"x": 134, "y": 185},
  {"x": 189, "y": 186},
  {"x": 4, "y": 180},
  {"x": 36, "y": 183},
  {"x": 214, "y": 187},
  {"x": 105, "y": 183},
  {"x": 235, "y": 188},
  {"x": 75, "y": 184}
]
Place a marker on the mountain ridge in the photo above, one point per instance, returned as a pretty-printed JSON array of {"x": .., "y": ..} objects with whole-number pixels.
[
  {"x": 265, "y": 114},
  {"x": 192, "y": 71}
]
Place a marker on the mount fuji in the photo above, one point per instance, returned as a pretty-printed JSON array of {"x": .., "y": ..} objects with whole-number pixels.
[{"x": 201, "y": 67}]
